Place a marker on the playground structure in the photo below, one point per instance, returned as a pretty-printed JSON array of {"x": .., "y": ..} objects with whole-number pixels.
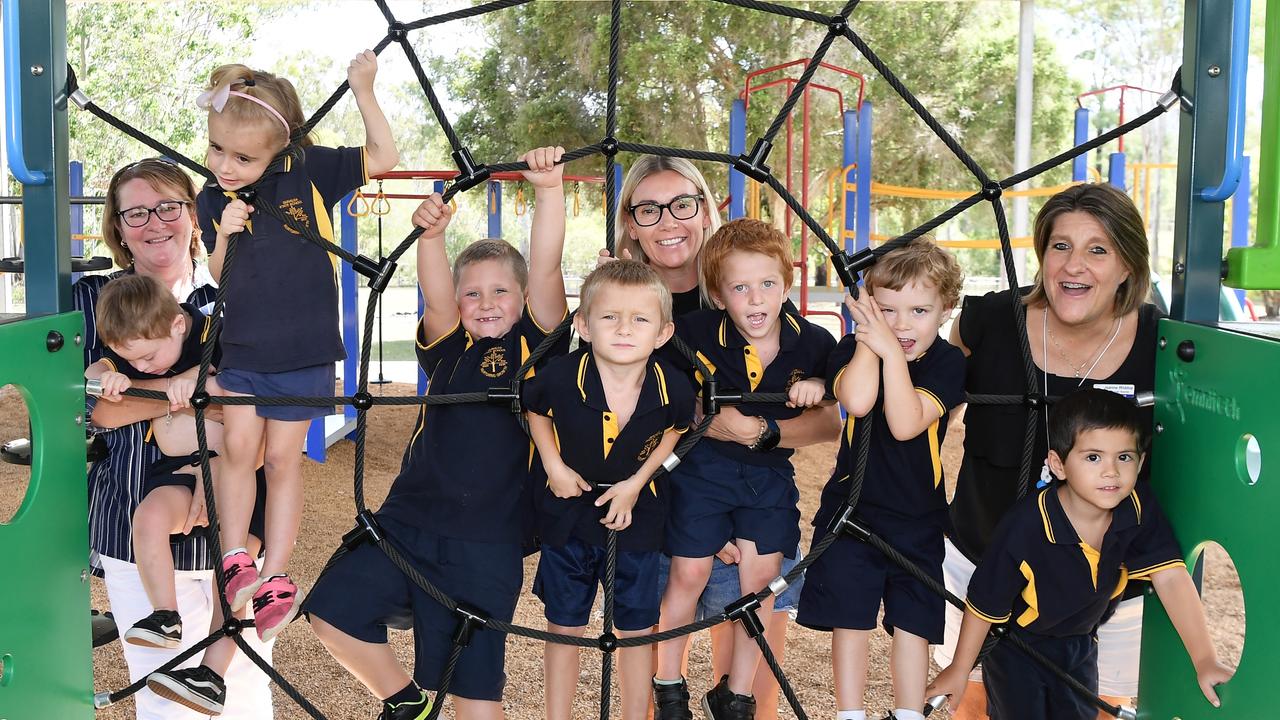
[{"x": 1208, "y": 416}]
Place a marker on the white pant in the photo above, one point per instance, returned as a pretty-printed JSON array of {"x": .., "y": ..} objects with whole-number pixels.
[
  {"x": 1119, "y": 639},
  {"x": 248, "y": 690}
]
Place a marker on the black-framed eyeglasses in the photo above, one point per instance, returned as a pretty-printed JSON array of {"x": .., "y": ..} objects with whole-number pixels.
[
  {"x": 167, "y": 211},
  {"x": 681, "y": 207}
]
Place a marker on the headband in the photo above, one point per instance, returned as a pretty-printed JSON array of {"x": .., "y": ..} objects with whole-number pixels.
[{"x": 216, "y": 100}]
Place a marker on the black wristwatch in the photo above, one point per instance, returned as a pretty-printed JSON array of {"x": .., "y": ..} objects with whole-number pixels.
[{"x": 768, "y": 439}]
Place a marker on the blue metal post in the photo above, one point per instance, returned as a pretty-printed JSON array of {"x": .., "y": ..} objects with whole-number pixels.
[
  {"x": 1115, "y": 171},
  {"x": 1080, "y": 165},
  {"x": 862, "y": 230},
  {"x": 617, "y": 182},
  {"x": 494, "y": 200},
  {"x": 1240, "y": 214},
  {"x": 849, "y": 156},
  {"x": 75, "y": 186},
  {"x": 737, "y": 146},
  {"x": 348, "y": 300}
]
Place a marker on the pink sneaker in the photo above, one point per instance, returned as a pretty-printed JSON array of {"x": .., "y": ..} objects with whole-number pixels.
[
  {"x": 275, "y": 605},
  {"x": 242, "y": 579}
]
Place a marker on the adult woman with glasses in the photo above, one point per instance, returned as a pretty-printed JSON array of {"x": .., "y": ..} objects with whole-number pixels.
[
  {"x": 667, "y": 211},
  {"x": 149, "y": 225}
]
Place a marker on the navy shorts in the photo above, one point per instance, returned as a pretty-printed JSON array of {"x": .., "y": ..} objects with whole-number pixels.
[
  {"x": 257, "y": 521},
  {"x": 364, "y": 593},
  {"x": 723, "y": 587},
  {"x": 314, "y": 381},
  {"x": 715, "y": 498},
  {"x": 1019, "y": 688},
  {"x": 567, "y": 579},
  {"x": 845, "y": 586}
]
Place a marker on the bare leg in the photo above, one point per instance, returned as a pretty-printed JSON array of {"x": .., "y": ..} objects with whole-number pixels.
[
  {"x": 635, "y": 667},
  {"x": 373, "y": 664},
  {"x": 849, "y": 665},
  {"x": 560, "y": 673},
  {"x": 685, "y": 583},
  {"x": 765, "y": 688},
  {"x": 219, "y": 655},
  {"x": 909, "y": 662},
  {"x": 974, "y": 704},
  {"x": 284, "y": 492},
  {"x": 468, "y": 709},
  {"x": 235, "y": 488},
  {"x": 161, "y": 513},
  {"x": 755, "y": 571}
]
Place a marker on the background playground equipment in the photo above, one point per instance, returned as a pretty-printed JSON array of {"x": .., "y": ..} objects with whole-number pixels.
[{"x": 1204, "y": 140}]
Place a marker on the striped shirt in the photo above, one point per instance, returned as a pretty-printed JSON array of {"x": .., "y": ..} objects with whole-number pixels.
[{"x": 115, "y": 483}]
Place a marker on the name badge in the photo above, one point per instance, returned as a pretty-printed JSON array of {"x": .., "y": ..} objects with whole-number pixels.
[{"x": 1117, "y": 388}]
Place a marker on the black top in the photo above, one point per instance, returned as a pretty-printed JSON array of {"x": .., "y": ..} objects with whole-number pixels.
[
  {"x": 683, "y": 303},
  {"x": 987, "y": 484},
  {"x": 463, "y": 474},
  {"x": 570, "y": 392},
  {"x": 903, "y": 481},
  {"x": 281, "y": 308},
  {"x": 803, "y": 351},
  {"x": 1040, "y": 574},
  {"x": 192, "y": 349}
]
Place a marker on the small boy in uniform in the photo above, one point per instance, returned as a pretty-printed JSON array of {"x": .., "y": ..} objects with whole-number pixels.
[
  {"x": 1062, "y": 556},
  {"x": 621, "y": 411},
  {"x": 724, "y": 490},
  {"x": 456, "y": 510},
  {"x": 899, "y": 381}
]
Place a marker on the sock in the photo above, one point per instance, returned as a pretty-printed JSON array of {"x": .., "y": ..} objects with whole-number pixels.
[
  {"x": 902, "y": 714},
  {"x": 233, "y": 551},
  {"x": 660, "y": 681},
  {"x": 408, "y": 693},
  {"x": 851, "y": 715}
]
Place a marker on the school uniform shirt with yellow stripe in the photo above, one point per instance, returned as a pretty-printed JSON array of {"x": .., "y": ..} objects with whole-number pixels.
[
  {"x": 464, "y": 472},
  {"x": 200, "y": 326},
  {"x": 569, "y": 391},
  {"x": 803, "y": 349},
  {"x": 281, "y": 309},
  {"x": 903, "y": 481},
  {"x": 1040, "y": 575}
]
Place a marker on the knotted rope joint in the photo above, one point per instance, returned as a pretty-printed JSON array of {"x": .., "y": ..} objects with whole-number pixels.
[{"x": 752, "y": 164}]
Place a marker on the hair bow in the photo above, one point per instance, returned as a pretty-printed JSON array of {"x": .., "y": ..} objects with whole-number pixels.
[{"x": 216, "y": 98}]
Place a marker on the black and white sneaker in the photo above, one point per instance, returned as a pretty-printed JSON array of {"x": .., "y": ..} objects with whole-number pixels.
[
  {"x": 160, "y": 629},
  {"x": 198, "y": 688}
]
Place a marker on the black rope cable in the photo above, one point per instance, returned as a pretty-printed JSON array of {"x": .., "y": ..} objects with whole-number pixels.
[
  {"x": 798, "y": 89},
  {"x": 455, "y": 143},
  {"x": 464, "y": 13},
  {"x": 611, "y": 127},
  {"x": 446, "y": 678},
  {"x": 606, "y": 657},
  {"x": 325, "y": 107},
  {"x": 386, "y": 11},
  {"x": 686, "y": 153},
  {"x": 111, "y": 698},
  {"x": 784, "y": 10},
  {"x": 280, "y": 681}
]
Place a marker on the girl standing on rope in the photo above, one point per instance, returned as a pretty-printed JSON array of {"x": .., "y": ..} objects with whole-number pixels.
[{"x": 280, "y": 335}]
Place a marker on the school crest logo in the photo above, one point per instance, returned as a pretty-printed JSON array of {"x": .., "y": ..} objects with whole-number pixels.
[
  {"x": 292, "y": 209},
  {"x": 494, "y": 362},
  {"x": 649, "y": 445},
  {"x": 796, "y": 376}
]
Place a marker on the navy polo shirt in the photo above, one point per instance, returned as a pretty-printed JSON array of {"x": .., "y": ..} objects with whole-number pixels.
[
  {"x": 903, "y": 481},
  {"x": 803, "y": 349},
  {"x": 198, "y": 331},
  {"x": 570, "y": 392},
  {"x": 1039, "y": 573},
  {"x": 281, "y": 308},
  {"x": 463, "y": 473}
]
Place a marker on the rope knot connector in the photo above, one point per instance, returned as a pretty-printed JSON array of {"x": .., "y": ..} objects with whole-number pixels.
[
  {"x": 846, "y": 524},
  {"x": 507, "y": 395},
  {"x": 379, "y": 273},
  {"x": 609, "y": 146},
  {"x": 232, "y": 626},
  {"x": 366, "y": 529},
  {"x": 1000, "y": 630},
  {"x": 607, "y": 642},
  {"x": 837, "y": 25},
  {"x": 200, "y": 400},
  {"x": 710, "y": 395},
  {"x": 362, "y": 400},
  {"x": 848, "y": 266},
  {"x": 1034, "y": 399},
  {"x": 992, "y": 191},
  {"x": 397, "y": 31},
  {"x": 469, "y": 618},
  {"x": 743, "y": 610},
  {"x": 247, "y": 195},
  {"x": 752, "y": 164},
  {"x": 469, "y": 173}
]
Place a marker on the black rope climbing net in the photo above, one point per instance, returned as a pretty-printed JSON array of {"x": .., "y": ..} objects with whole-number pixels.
[{"x": 753, "y": 164}]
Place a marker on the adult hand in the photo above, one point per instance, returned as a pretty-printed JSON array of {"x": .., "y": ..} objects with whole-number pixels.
[
  {"x": 732, "y": 426},
  {"x": 361, "y": 71},
  {"x": 605, "y": 257},
  {"x": 730, "y": 554},
  {"x": 433, "y": 216},
  {"x": 543, "y": 171}
]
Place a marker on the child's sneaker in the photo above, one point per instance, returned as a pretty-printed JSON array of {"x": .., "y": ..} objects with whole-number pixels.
[
  {"x": 671, "y": 702},
  {"x": 198, "y": 688},
  {"x": 412, "y": 710},
  {"x": 275, "y": 605},
  {"x": 160, "y": 629},
  {"x": 721, "y": 703},
  {"x": 242, "y": 579}
]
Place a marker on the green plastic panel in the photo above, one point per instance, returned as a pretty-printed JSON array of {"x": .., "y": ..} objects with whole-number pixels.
[
  {"x": 1204, "y": 409},
  {"x": 44, "y": 549}
]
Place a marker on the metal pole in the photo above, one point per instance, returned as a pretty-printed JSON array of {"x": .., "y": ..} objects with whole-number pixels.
[
  {"x": 737, "y": 146},
  {"x": 1022, "y": 125},
  {"x": 847, "y": 232},
  {"x": 1080, "y": 165}
]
